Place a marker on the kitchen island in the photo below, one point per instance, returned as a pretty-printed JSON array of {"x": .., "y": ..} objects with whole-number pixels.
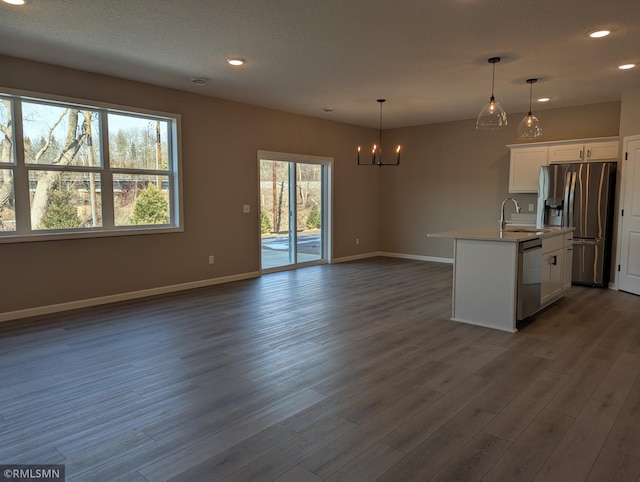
[{"x": 487, "y": 267}]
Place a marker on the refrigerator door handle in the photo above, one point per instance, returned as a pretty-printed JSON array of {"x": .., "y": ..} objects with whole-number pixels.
[
  {"x": 565, "y": 199},
  {"x": 572, "y": 191},
  {"x": 567, "y": 204}
]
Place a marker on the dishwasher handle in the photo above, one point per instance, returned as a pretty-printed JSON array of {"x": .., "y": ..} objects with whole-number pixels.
[{"x": 530, "y": 244}]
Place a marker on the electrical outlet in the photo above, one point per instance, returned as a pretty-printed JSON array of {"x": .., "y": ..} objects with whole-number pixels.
[
  {"x": 246, "y": 208},
  {"x": 530, "y": 207},
  {"x": 211, "y": 259},
  {"x": 357, "y": 240}
]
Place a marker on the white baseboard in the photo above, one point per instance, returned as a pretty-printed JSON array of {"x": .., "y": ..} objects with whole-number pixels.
[
  {"x": 417, "y": 257},
  {"x": 356, "y": 257},
  {"x": 103, "y": 300}
]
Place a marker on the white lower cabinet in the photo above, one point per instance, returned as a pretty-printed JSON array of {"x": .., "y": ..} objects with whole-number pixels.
[
  {"x": 552, "y": 269},
  {"x": 551, "y": 276}
]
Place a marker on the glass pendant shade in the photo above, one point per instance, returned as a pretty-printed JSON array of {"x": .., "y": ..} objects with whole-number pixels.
[
  {"x": 530, "y": 126},
  {"x": 492, "y": 116}
]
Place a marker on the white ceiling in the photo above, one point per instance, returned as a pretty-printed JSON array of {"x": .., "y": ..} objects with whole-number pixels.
[{"x": 428, "y": 58}]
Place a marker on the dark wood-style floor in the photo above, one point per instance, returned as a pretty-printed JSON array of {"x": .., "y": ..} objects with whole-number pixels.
[{"x": 348, "y": 372}]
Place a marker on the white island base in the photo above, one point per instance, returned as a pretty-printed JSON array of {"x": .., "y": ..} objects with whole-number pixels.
[
  {"x": 485, "y": 273},
  {"x": 485, "y": 283}
]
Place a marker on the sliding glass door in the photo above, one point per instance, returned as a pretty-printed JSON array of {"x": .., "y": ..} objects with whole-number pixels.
[{"x": 293, "y": 210}]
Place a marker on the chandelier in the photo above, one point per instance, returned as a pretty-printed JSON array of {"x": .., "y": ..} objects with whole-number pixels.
[{"x": 376, "y": 151}]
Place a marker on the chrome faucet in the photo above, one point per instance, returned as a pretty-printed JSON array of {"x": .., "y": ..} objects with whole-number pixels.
[{"x": 503, "y": 223}]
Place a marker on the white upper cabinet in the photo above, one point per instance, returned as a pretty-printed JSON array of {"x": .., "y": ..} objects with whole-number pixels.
[
  {"x": 566, "y": 153},
  {"x": 524, "y": 168},
  {"x": 525, "y": 159},
  {"x": 591, "y": 151},
  {"x": 602, "y": 150}
]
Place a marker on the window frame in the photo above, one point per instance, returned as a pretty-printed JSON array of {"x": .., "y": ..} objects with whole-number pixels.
[{"x": 24, "y": 231}]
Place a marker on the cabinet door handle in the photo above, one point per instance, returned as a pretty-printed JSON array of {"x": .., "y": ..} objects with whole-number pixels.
[{"x": 555, "y": 260}]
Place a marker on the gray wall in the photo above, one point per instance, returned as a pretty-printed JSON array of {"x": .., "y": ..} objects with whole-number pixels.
[{"x": 630, "y": 114}]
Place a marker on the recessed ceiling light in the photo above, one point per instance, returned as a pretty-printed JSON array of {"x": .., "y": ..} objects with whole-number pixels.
[
  {"x": 626, "y": 66},
  {"x": 199, "y": 81},
  {"x": 14, "y": 2},
  {"x": 327, "y": 109},
  {"x": 599, "y": 33},
  {"x": 236, "y": 61},
  {"x": 544, "y": 99}
]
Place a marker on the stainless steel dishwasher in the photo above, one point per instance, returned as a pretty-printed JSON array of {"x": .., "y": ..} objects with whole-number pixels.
[{"x": 529, "y": 277}]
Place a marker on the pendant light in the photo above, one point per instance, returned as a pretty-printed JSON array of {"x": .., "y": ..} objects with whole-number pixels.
[
  {"x": 492, "y": 116},
  {"x": 530, "y": 126},
  {"x": 376, "y": 151}
]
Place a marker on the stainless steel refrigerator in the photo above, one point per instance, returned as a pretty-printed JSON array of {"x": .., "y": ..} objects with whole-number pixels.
[{"x": 581, "y": 195}]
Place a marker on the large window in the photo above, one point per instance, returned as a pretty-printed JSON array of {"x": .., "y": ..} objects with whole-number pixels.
[{"x": 68, "y": 169}]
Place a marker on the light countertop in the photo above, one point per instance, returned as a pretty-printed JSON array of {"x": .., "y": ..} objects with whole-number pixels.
[{"x": 513, "y": 234}]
